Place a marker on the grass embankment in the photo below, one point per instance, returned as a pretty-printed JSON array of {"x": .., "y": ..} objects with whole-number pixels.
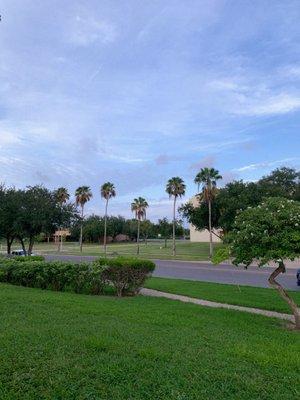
[
  {"x": 58, "y": 345},
  {"x": 185, "y": 250},
  {"x": 267, "y": 299}
]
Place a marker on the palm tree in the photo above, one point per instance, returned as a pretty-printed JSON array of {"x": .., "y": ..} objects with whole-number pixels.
[
  {"x": 83, "y": 194},
  {"x": 139, "y": 206},
  {"x": 175, "y": 187},
  {"x": 107, "y": 192},
  {"x": 62, "y": 196},
  {"x": 208, "y": 177}
]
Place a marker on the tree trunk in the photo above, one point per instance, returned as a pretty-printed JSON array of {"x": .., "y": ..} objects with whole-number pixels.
[
  {"x": 30, "y": 246},
  {"x": 165, "y": 243},
  {"x": 81, "y": 228},
  {"x": 293, "y": 306},
  {"x": 9, "y": 242},
  {"x": 105, "y": 227},
  {"x": 174, "y": 215},
  {"x": 210, "y": 231},
  {"x": 138, "y": 238},
  {"x": 23, "y": 245}
]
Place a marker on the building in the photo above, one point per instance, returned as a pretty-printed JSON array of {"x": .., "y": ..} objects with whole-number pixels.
[
  {"x": 63, "y": 232},
  {"x": 203, "y": 235}
]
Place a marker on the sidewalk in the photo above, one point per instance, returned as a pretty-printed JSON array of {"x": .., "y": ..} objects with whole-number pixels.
[{"x": 206, "y": 303}]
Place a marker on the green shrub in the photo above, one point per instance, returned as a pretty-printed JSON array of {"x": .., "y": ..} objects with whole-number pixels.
[
  {"x": 60, "y": 276},
  {"x": 126, "y": 274},
  {"x": 29, "y": 258}
]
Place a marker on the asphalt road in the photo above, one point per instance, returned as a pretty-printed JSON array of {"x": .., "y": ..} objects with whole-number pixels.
[{"x": 207, "y": 272}]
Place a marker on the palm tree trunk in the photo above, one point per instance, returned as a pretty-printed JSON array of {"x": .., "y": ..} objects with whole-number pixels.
[
  {"x": 293, "y": 306},
  {"x": 210, "y": 231},
  {"x": 174, "y": 215},
  {"x": 138, "y": 238},
  {"x": 81, "y": 229},
  {"x": 105, "y": 226}
]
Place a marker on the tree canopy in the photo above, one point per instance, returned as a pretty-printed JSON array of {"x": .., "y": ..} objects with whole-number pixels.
[{"x": 239, "y": 195}]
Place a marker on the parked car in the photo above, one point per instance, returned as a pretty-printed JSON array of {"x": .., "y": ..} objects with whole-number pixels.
[
  {"x": 298, "y": 277},
  {"x": 21, "y": 253}
]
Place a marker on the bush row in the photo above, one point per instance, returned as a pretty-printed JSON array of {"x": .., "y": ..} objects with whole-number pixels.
[
  {"x": 126, "y": 275},
  {"x": 28, "y": 258}
]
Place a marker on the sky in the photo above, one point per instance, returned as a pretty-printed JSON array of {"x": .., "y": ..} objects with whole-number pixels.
[{"x": 136, "y": 92}]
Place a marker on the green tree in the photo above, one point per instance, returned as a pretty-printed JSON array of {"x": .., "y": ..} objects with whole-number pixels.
[
  {"x": 83, "y": 194},
  {"x": 175, "y": 187},
  {"x": 282, "y": 182},
  {"x": 208, "y": 178},
  {"x": 139, "y": 206},
  {"x": 11, "y": 201},
  {"x": 236, "y": 196},
  {"x": 93, "y": 229},
  {"x": 268, "y": 232},
  {"x": 39, "y": 213},
  {"x": 165, "y": 229},
  {"x": 62, "y": 196},
  {"x": 107, "y": 192},
  {"x": 146, "y": 229}
]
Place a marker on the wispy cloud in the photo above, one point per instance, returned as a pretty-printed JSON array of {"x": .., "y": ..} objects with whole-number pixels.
[
  {"x": 85, "y": 30},
  {"x": 264, "y": 164}
]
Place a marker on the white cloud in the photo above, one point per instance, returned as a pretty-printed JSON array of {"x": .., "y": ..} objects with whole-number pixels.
[
  {"x": 85, "y": 30},
  {"x": 269, "y": 105},
  {"x": 263, "y": 164},
  {"x": 8, "y": 138}
]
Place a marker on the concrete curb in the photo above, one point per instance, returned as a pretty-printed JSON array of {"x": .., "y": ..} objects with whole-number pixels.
[{"x": 206, "y": 303}]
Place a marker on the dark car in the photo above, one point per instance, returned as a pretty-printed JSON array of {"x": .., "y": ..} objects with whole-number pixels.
[
  {"x": 298, "y": 277},
  {"x": 18, "y": 253}
]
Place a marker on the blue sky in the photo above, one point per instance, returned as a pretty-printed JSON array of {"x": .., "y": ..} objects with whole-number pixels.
[{"x": 136, "y": 92}]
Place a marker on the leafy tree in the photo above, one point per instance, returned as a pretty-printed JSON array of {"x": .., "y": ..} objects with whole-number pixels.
[
  {"x": 10, "y": 202},
  {"x": 236, "y": 196},
  {"x": 146, "y": 229},
  {"x": 268, "y": 232},
  {"x": 38, "y": 213},
  {"x": 175, "y": 187},
  {"x": 62, "y": 196},
  {"x": 207, "y": 178},
  {"x": 282, "y": 182},
  {"x": 83, "y": 194},
  {"x": 199, "y": 216},
  {"x": 139, "y": 206},
  {"x": 165, "y": 229},
  {"x": 107, "y": 192},
  {"x": 93, "y": 229}
]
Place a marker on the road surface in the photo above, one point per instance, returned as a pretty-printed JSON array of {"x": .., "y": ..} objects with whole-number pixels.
[{"x": 207, "y": 272}]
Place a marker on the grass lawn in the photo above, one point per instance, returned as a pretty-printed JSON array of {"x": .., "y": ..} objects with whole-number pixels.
[
  {"x": 65, "y": 346},
  {"x": 154, "y": 249},
  {"x": 248, "y": 296}
]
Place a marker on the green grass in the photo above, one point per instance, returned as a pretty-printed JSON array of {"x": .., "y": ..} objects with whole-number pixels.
[
  {"x": 62, "y": 346},
  {"x": 248, "y": 296},
  {"x": 155, "y": 249}
]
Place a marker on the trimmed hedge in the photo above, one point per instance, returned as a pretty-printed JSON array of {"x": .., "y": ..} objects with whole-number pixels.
[
  {"x": 60, "y": 276},
  {"x": 126, "y": 275},
  {"x": 28, "y": 258}
]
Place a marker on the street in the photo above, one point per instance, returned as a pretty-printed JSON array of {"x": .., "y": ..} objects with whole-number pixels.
[{"x": 229, "y": 274}]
